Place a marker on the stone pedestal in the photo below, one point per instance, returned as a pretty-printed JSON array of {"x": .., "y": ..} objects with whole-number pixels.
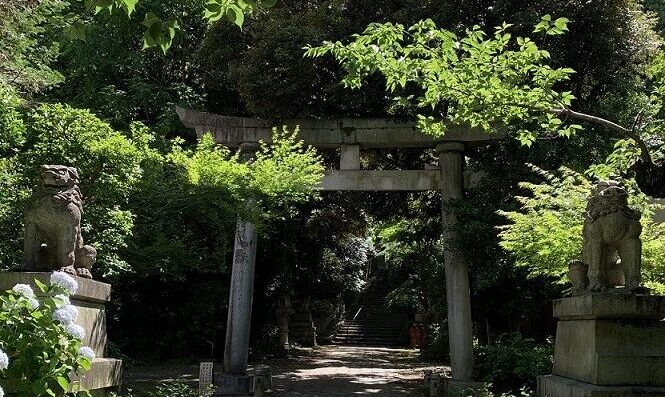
[
  {"x": 608, "y": 345},
  {"x": 90, "y": 299},
  {"x": 254, "y": 384}
]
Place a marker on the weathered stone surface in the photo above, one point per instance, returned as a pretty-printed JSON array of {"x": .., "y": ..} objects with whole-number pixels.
[
  {"x": 53, "y": 238},
  {"x": 105, "y": 373},
  {"x": 611, "y": 352},
  {"x": 458, "y": 297},
  {"x": 349, "y": 157},
  {"x": 611, "y": 227},
  {"x": 88, "y": 291},
  {"x": 331, "y": 133},
  {"x": 241, "y": 294},
  {"x": 381, "y": 180},
  {"x": 610, "y": 306},
  {"x": 557, "y": 386}
]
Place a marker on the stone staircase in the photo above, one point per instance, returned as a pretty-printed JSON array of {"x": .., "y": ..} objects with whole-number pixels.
[{"x": 372, "y": 323}]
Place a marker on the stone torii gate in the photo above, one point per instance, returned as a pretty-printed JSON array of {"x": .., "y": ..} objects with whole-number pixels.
[{"x": 350, "y": 136}]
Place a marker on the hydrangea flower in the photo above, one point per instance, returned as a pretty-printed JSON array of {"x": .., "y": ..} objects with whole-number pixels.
[
  {"x": 66, "y": 314},
  {"x": 65, "y": 281},
  {"x": 2, "y": 392},
  {"x": 87, "y": 352},
  {"x": 24, "y": 290},
  {"x": 61, "y": 300},
  {"x": 4, "y": 360},
  {"x": 76, "y": 331}
]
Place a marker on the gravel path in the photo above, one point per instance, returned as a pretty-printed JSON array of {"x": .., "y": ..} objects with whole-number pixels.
[{"x": 327, "y": 371}]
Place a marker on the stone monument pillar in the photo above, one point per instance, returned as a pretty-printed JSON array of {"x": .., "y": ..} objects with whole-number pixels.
[
  {"x": 451, "y": 161},
  {"x": 236, "y": 380},
  {"x": 610, "y": 338},
  {"x": 239, "y": 319}
]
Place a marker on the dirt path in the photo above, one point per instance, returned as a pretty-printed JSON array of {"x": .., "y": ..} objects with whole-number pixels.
[{"x": 328, "y": 371}]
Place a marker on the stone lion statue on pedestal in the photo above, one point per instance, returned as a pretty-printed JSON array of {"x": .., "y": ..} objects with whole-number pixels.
[
  {"x": 53, "y": 238},
  {"x": 611, "y": 229}
]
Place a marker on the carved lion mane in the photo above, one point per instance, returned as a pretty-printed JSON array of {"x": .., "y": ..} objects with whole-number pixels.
[
  {"x": 611, "y": 227},
  {"x": 53, "y": 238}
]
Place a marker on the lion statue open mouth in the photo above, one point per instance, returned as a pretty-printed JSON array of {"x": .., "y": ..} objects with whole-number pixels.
[{"x": 53, "y": 238}]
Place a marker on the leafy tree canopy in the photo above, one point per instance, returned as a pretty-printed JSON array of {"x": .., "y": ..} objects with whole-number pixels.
[{"x": 479, "y": 80}]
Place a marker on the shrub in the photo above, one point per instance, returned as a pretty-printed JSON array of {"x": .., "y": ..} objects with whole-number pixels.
[
  {"x": 40, "y": 346},
  {"x": 438, "y": 347},
  {"x": 170, "y": 389},
  {"x": 513, "y": 362}
]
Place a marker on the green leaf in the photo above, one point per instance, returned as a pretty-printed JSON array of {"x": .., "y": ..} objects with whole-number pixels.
[
  {"x": 64, "y": 383},
  {"x": 235, "y": 15},
  {"x": 130, "y": 6},
  {"x": 41, "y": 286}
]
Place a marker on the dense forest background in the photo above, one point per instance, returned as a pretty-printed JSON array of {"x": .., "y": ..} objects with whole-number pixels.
[{"x": 165, "y": 237}]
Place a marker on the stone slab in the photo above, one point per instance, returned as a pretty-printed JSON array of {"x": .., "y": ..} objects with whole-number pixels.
[
  {"x": 92, "y": 317},
  {"x": 611, "y": 352},
  {"x": 88, "y": 291},
  {"x": 234, "y": 385},
  {"x": 105, "y": 373},
  {"x": 381, "y": 180},
  {"x": 557, "y": 386},
  {"x": 610, "y": 306},
  {"x": 329, "y": 133}
]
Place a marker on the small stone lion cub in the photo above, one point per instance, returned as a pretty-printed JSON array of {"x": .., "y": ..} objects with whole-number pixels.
[{"x": 53, "y": 238}]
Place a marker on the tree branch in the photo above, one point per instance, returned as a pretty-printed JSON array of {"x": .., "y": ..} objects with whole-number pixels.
[{"x": 629, "y": 133}]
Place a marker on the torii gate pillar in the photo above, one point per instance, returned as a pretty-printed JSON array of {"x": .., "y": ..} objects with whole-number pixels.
[{"x": 451, "y": 162}]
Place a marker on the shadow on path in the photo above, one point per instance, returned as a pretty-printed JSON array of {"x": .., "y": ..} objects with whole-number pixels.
[{"x": 328, "y": 371}]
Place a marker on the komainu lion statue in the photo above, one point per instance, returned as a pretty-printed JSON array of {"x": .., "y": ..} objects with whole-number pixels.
[
  {"x": 610, "y": 228},
  {"x": 53, "y": 238}
]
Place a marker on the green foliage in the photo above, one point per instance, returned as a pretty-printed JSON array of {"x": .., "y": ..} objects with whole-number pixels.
[
  {"x": 474, "y": 79},
  {"x": 649, "y": 126},
  {"x": 110, "y": 75},
  {"x": 29, "y": 44},
  {"x": 286, "y": 170},
  {"x": 109, "y": 164},
  {"x": 123, "y": 177},
  {"x": 234, "y": 10},
  {"x": 167, "y": 389},
  {"x": 513, "y": 362},
  {"x": 438, "y": 343},
  {"x": 159, "y": 33},
  {"x": 547, "y": 232},
  {"x": 42, "y": 354}
]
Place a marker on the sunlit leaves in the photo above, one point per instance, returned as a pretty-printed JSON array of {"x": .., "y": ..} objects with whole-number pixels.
[
  {"x": 479, "y": 79},
  {"x": 96, "y": 6},
  {"x": 234, "y": 10},
  {"x": 550, "y": 27},
  {"x": 547, "y": 232},
  {"x": 159, "y": 33}
]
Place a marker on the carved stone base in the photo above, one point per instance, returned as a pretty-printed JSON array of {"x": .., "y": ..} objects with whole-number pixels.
[
  {"x": 440, "y": 386},
  {"x": 608, "y": 345},
  {"x": 558, "y": 386},
  {"x": 254, "y": 384}
]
